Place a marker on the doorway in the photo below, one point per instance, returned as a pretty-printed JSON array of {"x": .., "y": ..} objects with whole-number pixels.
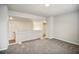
[
  {"x": 44, "y": 29},
  {"x": 12, "y": 33},
  {"x": 13, "y": 38}
]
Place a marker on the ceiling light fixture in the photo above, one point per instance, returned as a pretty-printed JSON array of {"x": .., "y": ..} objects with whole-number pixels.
[{"x": 10, "y": 18}]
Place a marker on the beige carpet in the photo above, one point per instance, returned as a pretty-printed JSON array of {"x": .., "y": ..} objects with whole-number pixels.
[{"x": 46, "y": 46}]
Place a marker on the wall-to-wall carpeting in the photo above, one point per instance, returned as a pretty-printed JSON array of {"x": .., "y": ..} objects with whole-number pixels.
[{"x": 46, "y": 46}]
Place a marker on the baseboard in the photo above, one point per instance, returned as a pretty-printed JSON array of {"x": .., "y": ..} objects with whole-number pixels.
[
  {"x": 3, "y": 49},
  {"x": 50, "y": 37},
  {"x": 67, "y": 41},
  {"x": 20, "y": 42}
]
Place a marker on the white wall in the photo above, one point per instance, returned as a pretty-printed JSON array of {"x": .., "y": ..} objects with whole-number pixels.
[
  {"x": 50, "y": 28},
  {"x": 66, "y": 27},
  {"x": 3, "y": 27},
  {"x": 19, "y": 25},
  {"x": 27, "y": 35}
]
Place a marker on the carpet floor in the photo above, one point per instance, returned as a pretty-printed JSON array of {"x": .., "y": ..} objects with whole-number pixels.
[{"x": 45, "y": 46}]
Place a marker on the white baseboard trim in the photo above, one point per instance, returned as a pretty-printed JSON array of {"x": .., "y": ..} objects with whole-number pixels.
[
  {"x": 3, "y": 49},
  {"x": 67, "y": 41},
  {"x": 50, "y": 37}
]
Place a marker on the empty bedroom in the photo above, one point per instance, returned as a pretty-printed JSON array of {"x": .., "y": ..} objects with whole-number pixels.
[{"x": 39, "y": 29}]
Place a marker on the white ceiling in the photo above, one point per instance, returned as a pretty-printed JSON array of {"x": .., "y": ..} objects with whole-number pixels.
[{"x": 42, "y": 10}]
